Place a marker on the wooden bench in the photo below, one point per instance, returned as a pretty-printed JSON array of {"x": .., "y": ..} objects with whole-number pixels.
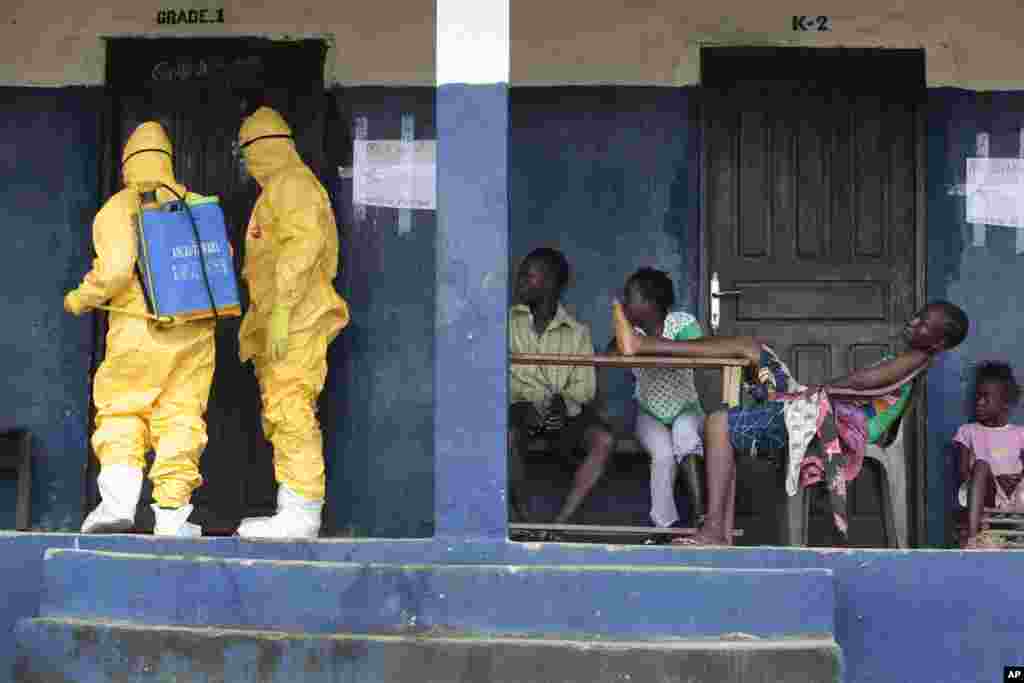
[
  {"x": 1005, "y": 526},
  {"x": 611, "y": 530},
  {"x": 731, "y": 369}
]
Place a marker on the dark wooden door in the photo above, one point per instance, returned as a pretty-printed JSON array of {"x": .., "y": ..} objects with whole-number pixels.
[
  {"x": 811, "y": 213},
  {"x": 200, "y": 90}
]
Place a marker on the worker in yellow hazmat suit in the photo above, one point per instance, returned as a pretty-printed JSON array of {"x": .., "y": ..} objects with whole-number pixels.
[
  {"x": 291, "y": 259},
  {"x": 152, "y": 388}
]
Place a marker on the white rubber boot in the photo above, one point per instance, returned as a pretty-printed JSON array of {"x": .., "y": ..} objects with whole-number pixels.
[
  {"x": 175, "y": 522},
  {"x": 120, "y": 487},
  {"x": 296, "y": 518}
]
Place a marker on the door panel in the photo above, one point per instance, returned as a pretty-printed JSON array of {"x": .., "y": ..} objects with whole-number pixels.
[
  {"x": 834, "y": 300},
  {"x": 200, "y": 90},
  {"x": 810, "y": 212}
]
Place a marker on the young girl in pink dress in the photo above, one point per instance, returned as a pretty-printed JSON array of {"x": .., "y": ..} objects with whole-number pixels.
[{"x": 991, "y": 450}]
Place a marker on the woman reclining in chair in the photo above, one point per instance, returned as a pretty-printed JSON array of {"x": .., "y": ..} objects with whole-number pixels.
[{"x": 845, "y": 414}]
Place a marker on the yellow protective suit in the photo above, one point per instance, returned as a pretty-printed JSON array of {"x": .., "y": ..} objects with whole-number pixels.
[
  {"x": 152, "y": 388},
  {"x": 291, "y": 259}
]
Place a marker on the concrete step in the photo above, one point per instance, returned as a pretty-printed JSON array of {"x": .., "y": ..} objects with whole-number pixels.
[
  {"x": 62, "y": 650},
  {"x": 536, "y": 600}
]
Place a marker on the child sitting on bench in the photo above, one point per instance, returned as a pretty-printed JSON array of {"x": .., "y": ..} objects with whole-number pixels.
[
  {"x": 670, "y": 417},
  {"x": 991, "y": 450}
]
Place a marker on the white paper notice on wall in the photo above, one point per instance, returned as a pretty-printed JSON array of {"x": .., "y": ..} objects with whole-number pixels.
[
  {"x": 995, "y": 191},
  {"x": 394, "y": 173}
]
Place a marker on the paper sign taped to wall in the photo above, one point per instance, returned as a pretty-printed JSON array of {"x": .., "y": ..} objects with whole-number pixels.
[
  {"x": 396, "y": 174},
  {"x": 995, "y": 191}
]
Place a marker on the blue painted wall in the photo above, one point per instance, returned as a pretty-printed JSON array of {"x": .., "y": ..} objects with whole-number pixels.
[
  {"x": 983, "y": 279},
  {"x": 610, "y": 176},
  {"x": 379, "y": 426},
  {"x": 471, "y": 342},
  {"x": 899, "y": 616},
  {"x": 48, "y": 196}
]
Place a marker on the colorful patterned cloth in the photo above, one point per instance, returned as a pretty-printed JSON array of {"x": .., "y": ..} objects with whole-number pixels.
[
  {"x": 758, "y": 430},
  {"x": 824, "y": 438},
  {"x": 842, "y": 428}
]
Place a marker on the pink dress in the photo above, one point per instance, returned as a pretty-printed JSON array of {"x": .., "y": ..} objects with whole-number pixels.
[{"x": 1001, "y": 448}]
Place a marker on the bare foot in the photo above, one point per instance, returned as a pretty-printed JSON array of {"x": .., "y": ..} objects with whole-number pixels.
[
  {"x": 702, "y": 539},
  {"x": 984, "y": 541},
  {"x": 989, "y": 541},
  {"x": 625, "y": 339}
]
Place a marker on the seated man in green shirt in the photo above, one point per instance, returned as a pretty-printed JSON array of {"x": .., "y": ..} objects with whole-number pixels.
[{"x": 555, "y": 401}]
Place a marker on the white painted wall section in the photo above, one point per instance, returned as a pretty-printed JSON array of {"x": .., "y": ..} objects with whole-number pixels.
[{"x": 473, "y": 41}]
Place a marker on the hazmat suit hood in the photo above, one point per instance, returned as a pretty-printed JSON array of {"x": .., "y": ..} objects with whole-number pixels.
[
  {"x": 147, "y": 161},
  {"x": 267, "y": 144}
]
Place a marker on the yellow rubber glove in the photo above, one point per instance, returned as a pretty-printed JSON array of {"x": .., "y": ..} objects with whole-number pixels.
[
  {"x": 73, "y": 303},
  {"x": 277, "y": 333}
]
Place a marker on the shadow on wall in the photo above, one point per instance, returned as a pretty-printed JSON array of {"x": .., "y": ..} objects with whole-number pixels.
[{"x": 609, "y": 176}]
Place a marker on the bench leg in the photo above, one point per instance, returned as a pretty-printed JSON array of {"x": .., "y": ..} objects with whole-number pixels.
[
  {"x": 797, "y": 511},
  {"x": 731, "y": 380},
  {"x": 23, "y": 519},
  {"x": 693, "y": 475}
]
